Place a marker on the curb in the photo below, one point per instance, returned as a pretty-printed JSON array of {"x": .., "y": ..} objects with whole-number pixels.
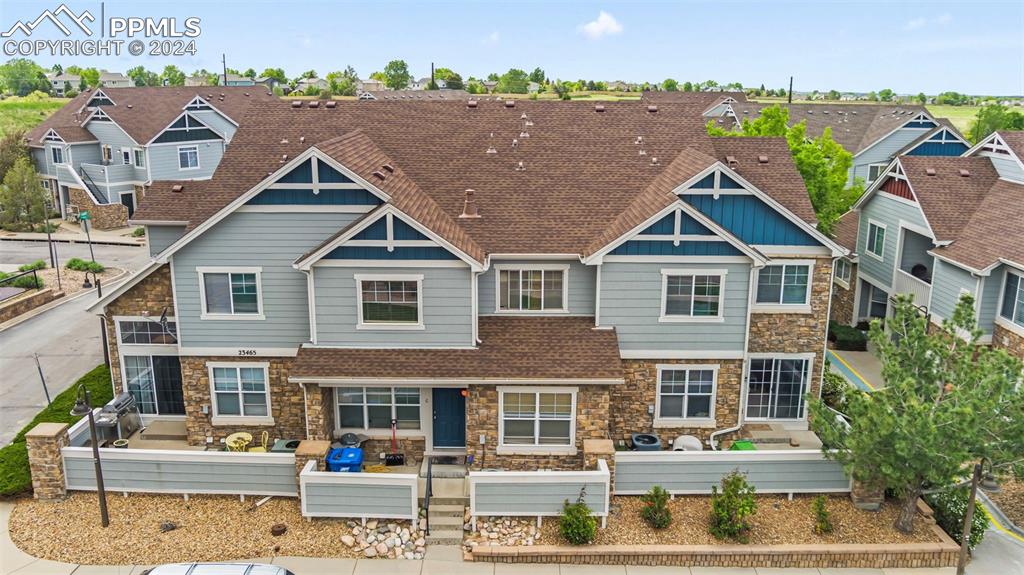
[
  {"x": 56, "y": 303},
  {"x": 99, "y": 242},
  {"x": 999, "y": 520}
]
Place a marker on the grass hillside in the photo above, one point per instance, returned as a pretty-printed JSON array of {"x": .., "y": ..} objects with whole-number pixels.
[{"x": 25, "y": 113}]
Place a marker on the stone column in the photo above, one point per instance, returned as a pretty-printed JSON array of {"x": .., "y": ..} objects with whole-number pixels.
[
  {"x": 319, "y": 411},
  {"x": 307, "y": 451},
  {"x": 44, "y": 443},
  {"x": 594, "y": 449}
]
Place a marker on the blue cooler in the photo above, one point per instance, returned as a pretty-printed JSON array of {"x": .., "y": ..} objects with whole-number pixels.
[{"x": 347, "y": 459}]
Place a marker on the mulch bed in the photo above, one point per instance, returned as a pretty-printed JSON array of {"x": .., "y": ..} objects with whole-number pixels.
[
  {"x": 778, "y": 521},
  {"x": 209, "y": 528},
  {"x": 1011, "y": 500},
  {"x": 71, "y": 281}
]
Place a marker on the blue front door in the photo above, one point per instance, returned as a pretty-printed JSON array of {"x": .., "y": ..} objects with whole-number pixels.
[{"x": 449, "y": 417}]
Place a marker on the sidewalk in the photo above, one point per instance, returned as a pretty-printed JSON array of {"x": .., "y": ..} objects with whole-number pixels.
[{"x": 72, "y": 233}]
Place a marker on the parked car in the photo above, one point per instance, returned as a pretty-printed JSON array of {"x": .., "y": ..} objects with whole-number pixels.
[{"x": 217, "y": 569}]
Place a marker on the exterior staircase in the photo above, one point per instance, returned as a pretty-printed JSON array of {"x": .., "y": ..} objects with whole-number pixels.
[{"x": 447, "y": 509}]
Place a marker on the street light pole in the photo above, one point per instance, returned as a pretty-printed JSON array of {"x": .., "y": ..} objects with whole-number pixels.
[
  {"x": 83, "y": 406},
  {"x": 987, "y": 482}
]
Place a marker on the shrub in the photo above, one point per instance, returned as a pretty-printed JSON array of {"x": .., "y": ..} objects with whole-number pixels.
[
  {"x": 24, "y": 282},
  {"x": 656, "y": 512},
  {"x": 36, "y": 265},
  {"x": 833, "y": 390},
  {"x": 822, "y": 516},
  {"x": 576, "y": 524},
  {"x": 847, "y": 338},
  {"x": 77, "y": 264},
  {"x": 95, "y": 267},
  {"x": 950, "y": 508},
  {"x": 139, "y": 232},
  {"x": 732, "y": 509}
]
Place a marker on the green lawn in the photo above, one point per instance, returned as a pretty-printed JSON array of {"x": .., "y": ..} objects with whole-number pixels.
[
  {"x": 14, "y": 474},
  {"x": 24, "y": 114},
  {"x": 961, "y": 116}
]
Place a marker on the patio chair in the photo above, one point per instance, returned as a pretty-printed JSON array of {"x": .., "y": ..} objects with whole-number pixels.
[{"x": 262, "y": 447}]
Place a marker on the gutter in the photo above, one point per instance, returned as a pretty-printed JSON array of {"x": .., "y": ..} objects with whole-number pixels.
[{"x": 743, "y": 371}]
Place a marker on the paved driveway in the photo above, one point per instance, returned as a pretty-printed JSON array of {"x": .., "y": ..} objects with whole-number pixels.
[{"x": 67, "y": 338}]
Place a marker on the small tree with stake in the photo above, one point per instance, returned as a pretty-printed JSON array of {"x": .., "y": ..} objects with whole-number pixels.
[{"x": 948, "y": 401}]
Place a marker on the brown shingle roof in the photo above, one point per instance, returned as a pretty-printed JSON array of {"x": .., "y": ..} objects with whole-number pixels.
[
  {"x": 1015, "y": 140},
  {"x": 517, "y": 348},
  {"x": 845, "y": 230},
  {"x": 66, "y": 122},
  {"x": 947, "y": 198},
  {"x": 582, "y": 167},
  {"x": 705, "y": 99},
  {"x": 993, "y": 230},
  {"x": 173, "y": 206}
]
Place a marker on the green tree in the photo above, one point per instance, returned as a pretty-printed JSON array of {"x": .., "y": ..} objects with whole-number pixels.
[
  {"x": 833, "y": 95},
  {"x": 948, "y": 401},
  {"x": 513, "y": 82},
  {"x": 250, "y": 73},
  {"x": 12, "y": 148},
  {"x": 872, "y": 97},
  {"x": 396, "y": 75},
  {"x": 452, "y": 80},
  {"x": 538, "y": 76},
  {"x": 143, "y": 77},
  {"x": 994, "y": 117},
  {"x": 57, "y": 69},
  {"x": 670, "y": 85},
  {"x": 343, "y": 83},
  {"x": 308, "y": 74},
  {"x": 22, "y": 195},
  {"x": 822, "y": 162},
  {"x": 90, "y": 77},
  {"x": 687, "y": 86},
  {"x": 76, "y": 70},
  {"x": 886, "y": 95},
  {"x": 379, "y": 77},
  {"x": 275, "y": 73},
  {"x": 921, "y": 98},
  {"x": 493, "y": 77},
  {"x": 475, "y": 86},
  {"x": 172, "y": 76},
  {"x": 20, "y": 76}
]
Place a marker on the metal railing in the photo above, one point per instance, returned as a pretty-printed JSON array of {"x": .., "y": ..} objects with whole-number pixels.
[
  {"x": 12, "y": 278},
  {"x": 91, "y": 186},
  {"x": 427, "y": 492}
]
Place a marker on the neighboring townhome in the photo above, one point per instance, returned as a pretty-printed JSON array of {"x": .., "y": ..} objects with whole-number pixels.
[
  {"x": 502, "y": 279},
  {"x": 62, "y": 83},
  {"x": 936, "y": 228},
  {"x": 101, "y": 150},
  {"x": 114, "y": 80},
  {"x": 237, "y": 80},
  {"x": 306, "y": 83}
]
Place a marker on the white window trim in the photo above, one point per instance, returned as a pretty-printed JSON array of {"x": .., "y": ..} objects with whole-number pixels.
[
  {"x": 804, "y": 307},
  {"x": 107, "y": 153},
  {"x": 53, "y": 155},
  {"x": 385, "y": 326},
  {"x": 203, "y": 270},
  {"x": 136, "y": 351},
  {"x": 881, "y": 172},
  {"x": 380, "y": 433},
  {"x": 190, "y": 146},
  {"x": 844, "y": 282},
  {"x": 699, "y": 422},
  {"x": 720, "y": 318},
  {"x": 216, "y": 419},
  {"x": 564, "y": 268},
  {"x": 518, "y": 449},
  {"x": 809, "y": 357},
  {"x": 867, "y": 240},
  {"x": 1008, "y": 323},
  {"x": 139, "y": 154}
]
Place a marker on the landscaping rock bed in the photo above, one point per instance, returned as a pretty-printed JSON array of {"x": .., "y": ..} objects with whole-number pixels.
[
  {"x": 1011, "y": 500},
  {"x": 71, "y": 281},
  {"x": 207, "y": 528}
]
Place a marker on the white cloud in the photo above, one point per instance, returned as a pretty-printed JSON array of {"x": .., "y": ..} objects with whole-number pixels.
[
  {"x": 491, "y": 39},
  {"x": 922, "y": 22},
  {"x": 605, "y": 25}
]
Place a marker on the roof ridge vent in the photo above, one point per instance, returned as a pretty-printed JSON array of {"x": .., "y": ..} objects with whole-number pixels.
[
  {"x": 652, "y": 109},
  {"x": 929, "y": 171},
  {"x": 379, "y": 175},
  {"x": 388, "y": 168},
  {"x": 965, "y": 173},
  {"x": 510, "y": 103},
  {"x": 469, "y": 209},
  {"x": 598, "y": 107},
  {"x": 762, "y": 159},
  {"x": 331, "y": 104},
  {"x": 296, "y": 103}
]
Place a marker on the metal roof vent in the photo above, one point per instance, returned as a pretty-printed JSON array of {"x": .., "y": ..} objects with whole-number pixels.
[
  {"x": 284, "y": 140},
  {"x": 471, "y": 104},
  {"x": 510, "y": 103},
  {"x": 762, "y": 159},
  {"x": 246, "y": 94},
  {"x": 284, "y": 157},
  {"x": 965, "y": 173},
  {"x": 490, "y": 146},
  {"x": 389, "y": 168},
  {"x": 731, "y": 160},
  {"x": 643, "y": 152},
  {"x": 652, "y": 109},
  {"x": 930, "y": 171},
  {"x": 129, "y": 106},
  {"x": 314, "y": 104},
  {"x": 469, "y": 206},
  {"x": 515, "y": 143},
  {"x": 854, "y": 112},
  {"x": 520, "y": 167},
  {"x": 379, "y": 175},
  {"x": 177, "y": 188},
  {"x": 302, "y": 139},
  {"x": 639, "y": 140},
  {"x": 331, "y": 104},
  {"x": 654, "y": 160},
  {"x": 524, "y": 116},
  {"x": 810, "y": 112},
  {"x": 296, "y": 103},
  {"x": 598, "y": 107}
]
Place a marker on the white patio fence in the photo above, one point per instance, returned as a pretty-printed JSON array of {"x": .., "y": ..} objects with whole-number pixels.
[{"x": 358, "y": 495}]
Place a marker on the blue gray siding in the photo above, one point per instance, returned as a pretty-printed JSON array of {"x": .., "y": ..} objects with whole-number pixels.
[
  {"x": 535, "y": 498},
  {"x": 153, "y": 472},
  {"x": 85, "y": 154},
  {"x": 41, "y": 161},
  {"x": 163, "y": 161},
  {"x": 947, "y": 282},
  {"x": 109, "y": 134},
  {"x": 271, "y": 241},
  {"x": 1007, "y": 167},
  {"x": 446, "y": 308},
  {"x": 582, "y": 284},
  {"x": 888, "y": 212},
  {"x": 159, "y": 237},
  {"x": 779, "y": 475},
  {"x": 631, "y": 303},
  {"x": 991, "y": 289},
  {"x": 363, "y": 499},
  {"x": 884, "y": 151}
]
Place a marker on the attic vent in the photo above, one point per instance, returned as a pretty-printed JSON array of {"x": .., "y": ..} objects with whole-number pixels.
[
  {"x": 515, "y": 143},
  {"x": 469, "y": 206},
  {"x": 389, "y": 168},
  {"x": 654, "y": 160},
  {"x": 129, "y": 106},
  {"x": 284, "y": 140},
  {"x": 520, "y": 167},
  {"x": 599, "y": 107},
  {"x": 524, "y": 134},
  {"x": 471, "y": 104},
  {"x": 965, "y": 173},
  {"x": 302, "y": 139},
  {"x": 652, "y": 109},
  {"x": 297, "y": 104},
  {"x": 930, "y": 171},
  {"x": 379, "y": 175},
  {"x": 314, "y": 104},
  {"x": 510, "y": 103},
  {"x": 731, "y": 160},
  {"x": 762, "y": 159},
  {"x": 331, "y": 104},
  {"x": 177, "y": 188}
]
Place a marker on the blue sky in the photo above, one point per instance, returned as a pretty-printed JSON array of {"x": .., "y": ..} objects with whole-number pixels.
[{"x": 930, "y": 46}]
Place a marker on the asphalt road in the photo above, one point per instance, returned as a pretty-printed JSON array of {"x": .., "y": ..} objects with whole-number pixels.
[{"x": 67, "y": 338}]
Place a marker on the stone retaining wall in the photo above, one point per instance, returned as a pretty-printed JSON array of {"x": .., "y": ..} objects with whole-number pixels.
[
  {"x": 26, "y": 303},
  {"x": 104, "y": 216}
]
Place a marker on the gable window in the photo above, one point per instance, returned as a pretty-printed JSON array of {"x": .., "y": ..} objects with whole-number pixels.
[
  {"x": 784, "y": 284},
  {"x": 126, "y": 157},
  {"x": 147, "y": 332},
  {"x": 231, "y": 293},
  {"x": 374, "y": 407},
  {"x": 108, "y": 154},
  {"x": 776, "y": 387},
  {"x": 686, "y": 392},
  {"x": 692, "y": 295},
  {"x": 875, "y": 171},
  {"x": 841, "y": 273},
  {"x": 876, "y": 239},
  {"x": 240, "y": 390},
  {"x": 534, "y": 289},
  {"x": 390, "y": 301},
  {"x": 537, "y": 418},
  {"x": 1013, "y": 299},
  {"x": 140, "y": 158},
  {"x": 188, "y": 157},
  {"x": 57, "y": 154}
]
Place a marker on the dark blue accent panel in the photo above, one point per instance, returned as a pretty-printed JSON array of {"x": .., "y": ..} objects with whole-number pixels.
[
  {"x": 180, "y": 123},
  {"x": 382, "y": 253},
  {"x": 275, "y": 197},
  {"x": 751, "y": 220},
  {"x": 727, "y": 183},
  {"x": 302, "y": 174},
  {"x": 706, "y": 183},
  {"x": 404, "y": 231},
  {"x": 378, "y": 230},
  {"x": 938, "y": 149},
  {"x": 920, "y": 124},
  {"x": 667, "y": 225},
  {"x": 667, "y": 248},
  {"x": 190, "y": 135},
  {"x": 937, "y": 137},
  {"x": 329, "y": 175}
]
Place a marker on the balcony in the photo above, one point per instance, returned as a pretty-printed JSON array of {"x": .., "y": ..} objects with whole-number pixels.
[{"x": 919, "y": 290}]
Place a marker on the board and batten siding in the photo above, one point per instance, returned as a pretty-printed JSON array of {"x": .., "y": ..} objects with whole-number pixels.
[
  {"x": 948, "y": 281},
  {"x": 172, "y": 471},
  {"x": 358, "y": 495},
  {"x": 271, "y": 241},
  {"x": 889, "y": 212},
  {"x": 163, "y": 160},
  {"x": 883, "y": 151},
  {"x": 581, "y": 285},
  {"x": 695, "y": 472},
  {"x": 446, "y": 307},
  {"x": 537, "y": 493},
  {"x": 631, "y": 295},
  {"x": 160, "y": 237}
]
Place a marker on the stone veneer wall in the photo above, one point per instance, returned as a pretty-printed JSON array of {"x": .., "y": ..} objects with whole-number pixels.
[
  {"x": 630, "y": 402},
  {"x": 15, "y": 307},
  {"x": 1003, "y": 338},
  {"x": 319, "y": 412},
  {"x": 844, "y": 300},
  {"x": 798, "y": 332},
  {"x": 152, "y": 295},
  {"x": 287, "y": 404},
  {"x": 592, "y": 422},
  {"x": 413, "y": 448},
  {"x": 104, "y": 216}
]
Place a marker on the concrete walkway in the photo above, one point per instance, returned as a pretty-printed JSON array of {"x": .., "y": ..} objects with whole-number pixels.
[
  {"x": 860, "y": 368},
  {"x": 72, "y": 233}
]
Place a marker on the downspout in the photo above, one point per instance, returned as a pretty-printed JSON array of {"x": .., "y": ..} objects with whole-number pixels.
[
  {"x": 475, "y": 297},
  {"x": 743, "y": 369},
  {"x": 597, "y": 298},
  {"x": 311, "y": 296}
]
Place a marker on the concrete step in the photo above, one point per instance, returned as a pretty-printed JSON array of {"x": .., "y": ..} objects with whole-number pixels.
[
  {"x": 450, "y": 510},
  {"x": 442, "y": 521},
  {"x": 463, "y": 501},
  {"x": 444, "y": 536}
]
